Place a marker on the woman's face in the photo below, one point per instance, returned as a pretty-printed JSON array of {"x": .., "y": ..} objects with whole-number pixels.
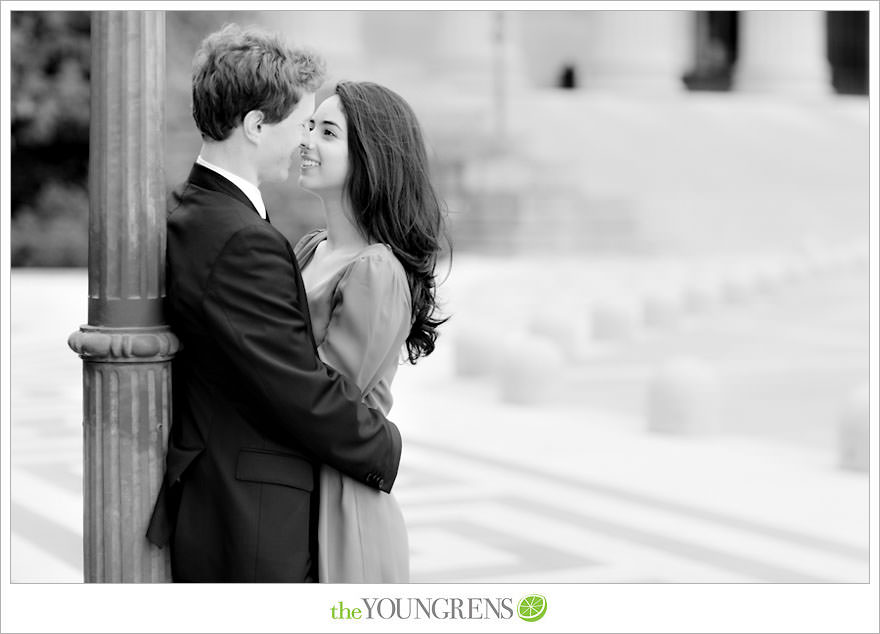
[{"x": 324, "y": 151}]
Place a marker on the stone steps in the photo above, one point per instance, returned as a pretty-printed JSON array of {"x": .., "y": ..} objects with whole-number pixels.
[{"x": 587, "y": 172}]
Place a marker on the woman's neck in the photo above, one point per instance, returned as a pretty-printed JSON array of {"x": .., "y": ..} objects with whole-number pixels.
[{"x": 343, "y": 235}]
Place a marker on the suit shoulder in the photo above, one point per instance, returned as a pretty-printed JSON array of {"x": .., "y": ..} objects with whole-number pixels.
[
  {"x": 208, "y": 211},
  {"x": 257, "y": 235}
]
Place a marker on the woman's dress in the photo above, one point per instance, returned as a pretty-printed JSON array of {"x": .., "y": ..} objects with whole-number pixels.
[{"x": 361, "y": 319}]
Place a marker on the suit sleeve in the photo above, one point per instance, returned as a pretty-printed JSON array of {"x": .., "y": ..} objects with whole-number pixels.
[{"x": 254, "y": 311}]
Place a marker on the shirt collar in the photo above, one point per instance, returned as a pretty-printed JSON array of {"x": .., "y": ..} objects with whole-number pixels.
[{"x": 250, "y": 190}]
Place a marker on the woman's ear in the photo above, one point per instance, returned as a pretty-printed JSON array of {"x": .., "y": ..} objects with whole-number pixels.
[{"x": 253, "y": 126}]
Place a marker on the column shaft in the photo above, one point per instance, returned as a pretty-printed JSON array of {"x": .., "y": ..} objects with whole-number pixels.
[
  {"x": 126, "y": 348},
  {"x": 460, "y": 51},
  {"x": 638, "y": 51},
  {"x": 336, "y": 35},
  {"x": 783, "y": 52}
]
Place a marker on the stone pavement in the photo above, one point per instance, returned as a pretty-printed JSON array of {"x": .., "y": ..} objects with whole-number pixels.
[
  {"x": 567, "y": 485},
  {"x": 575, "y": 488},
  {"x": 46, "y": 425}
]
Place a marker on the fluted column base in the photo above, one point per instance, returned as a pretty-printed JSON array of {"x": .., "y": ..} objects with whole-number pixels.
[{"x": 126, "y": 408}]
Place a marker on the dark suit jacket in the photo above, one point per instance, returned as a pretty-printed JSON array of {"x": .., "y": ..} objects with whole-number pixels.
[{"x": 254, "y": 410}]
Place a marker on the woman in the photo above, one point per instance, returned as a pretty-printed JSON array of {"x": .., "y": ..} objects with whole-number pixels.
[{"x": 370, "y": 282}]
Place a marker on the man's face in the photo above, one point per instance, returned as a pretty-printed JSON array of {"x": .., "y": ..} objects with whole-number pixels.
[{"x": 280, "y": 141}]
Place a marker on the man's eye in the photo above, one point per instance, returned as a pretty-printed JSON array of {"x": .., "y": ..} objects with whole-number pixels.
[{"x": 310, "y": 125}]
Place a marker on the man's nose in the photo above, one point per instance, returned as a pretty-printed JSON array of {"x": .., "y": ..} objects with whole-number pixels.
[{"x": 305, "y": 141}]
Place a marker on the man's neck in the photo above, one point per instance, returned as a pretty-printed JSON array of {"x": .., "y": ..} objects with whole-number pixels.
[{"x": 226, "y": 155}]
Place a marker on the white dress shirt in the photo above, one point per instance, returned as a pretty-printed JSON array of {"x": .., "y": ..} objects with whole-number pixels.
[{"x": 250, "y": 190}]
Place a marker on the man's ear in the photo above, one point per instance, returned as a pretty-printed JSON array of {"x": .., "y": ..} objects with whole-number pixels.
[{"x": 252, "y": 126}]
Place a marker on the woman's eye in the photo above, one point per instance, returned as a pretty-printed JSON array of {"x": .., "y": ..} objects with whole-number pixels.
[{"x": 329, "y": 133}]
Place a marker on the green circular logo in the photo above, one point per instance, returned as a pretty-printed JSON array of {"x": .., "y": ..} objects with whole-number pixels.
[{"x": 532, "y": 607}]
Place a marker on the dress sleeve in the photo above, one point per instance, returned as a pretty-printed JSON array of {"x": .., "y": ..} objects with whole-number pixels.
[{"x": 370, "y": 319}]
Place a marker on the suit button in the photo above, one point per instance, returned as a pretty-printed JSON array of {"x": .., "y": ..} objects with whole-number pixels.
[{"x": 381, "y": 482}]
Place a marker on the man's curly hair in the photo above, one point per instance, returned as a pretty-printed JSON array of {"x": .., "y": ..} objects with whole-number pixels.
[{"x": 238, "y": 70}]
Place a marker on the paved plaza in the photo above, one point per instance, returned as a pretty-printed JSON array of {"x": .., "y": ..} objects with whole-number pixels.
[{"x": 565, "y": 481}]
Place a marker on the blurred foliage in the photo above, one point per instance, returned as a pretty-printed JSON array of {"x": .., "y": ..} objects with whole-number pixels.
[
  {"x": 50, "y": 77},
  {"x": 54, "y": 231},
  {"x": 50, "y": 56}
]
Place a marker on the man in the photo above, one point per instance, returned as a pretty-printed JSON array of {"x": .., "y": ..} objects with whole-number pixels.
[{"x": 255, "y": 411}]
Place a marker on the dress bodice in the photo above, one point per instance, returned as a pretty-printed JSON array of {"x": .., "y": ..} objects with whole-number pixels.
[{"x": 360, "y": 316}]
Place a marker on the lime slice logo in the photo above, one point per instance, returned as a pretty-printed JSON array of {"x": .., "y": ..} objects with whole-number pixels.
[{"x": 532, "y": 607}]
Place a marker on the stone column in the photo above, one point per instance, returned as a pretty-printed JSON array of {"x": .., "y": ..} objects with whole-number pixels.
[
  {"x": 126, "y": 348},
  {"x": 461, "y": 50},
  {"x": 507, "y": 75},
  {"x": 638, "y": 51},
  {"x": 783, "y": 52},
  {"x": 336, "y": 35}
]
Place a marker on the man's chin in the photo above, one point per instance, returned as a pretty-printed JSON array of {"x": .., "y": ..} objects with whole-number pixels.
[{"x": 280, "y": 177}]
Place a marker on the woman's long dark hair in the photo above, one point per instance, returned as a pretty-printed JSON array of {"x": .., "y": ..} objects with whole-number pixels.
[{"x": 392, "y": 197}]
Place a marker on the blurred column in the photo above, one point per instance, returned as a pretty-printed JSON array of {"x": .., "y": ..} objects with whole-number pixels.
[
  {"x": 638, "y": 51},
  {"x": 336, "y": 35},
  {"x": 126, "y": 348},
  {"x": 508, "y": 75},
  {"x": 462, "y": 49},
  {"x": 782, "y": 52}
]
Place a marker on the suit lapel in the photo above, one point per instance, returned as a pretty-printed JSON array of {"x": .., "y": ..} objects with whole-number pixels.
[{"x": 201, "y": 176}]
